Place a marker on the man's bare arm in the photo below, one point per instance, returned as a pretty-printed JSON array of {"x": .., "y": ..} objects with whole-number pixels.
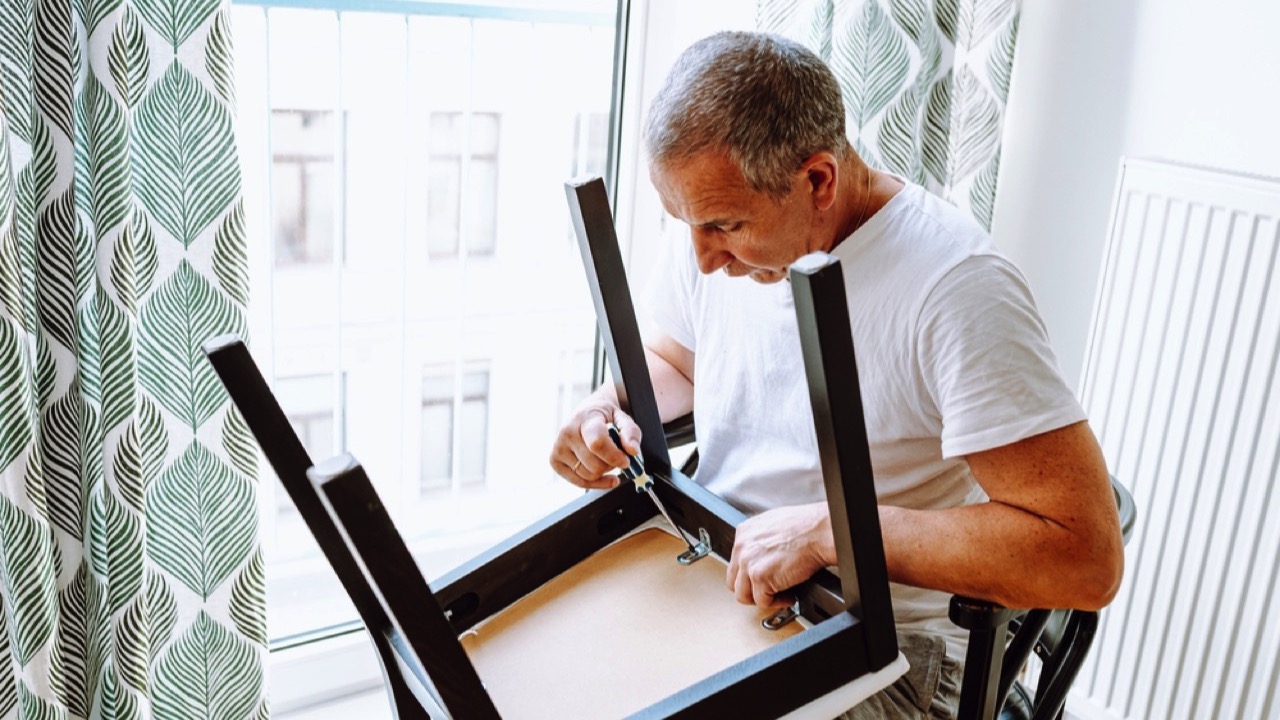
[
  {"x": 583, "y": 454},
  {"x": 1049, "y": 537}
]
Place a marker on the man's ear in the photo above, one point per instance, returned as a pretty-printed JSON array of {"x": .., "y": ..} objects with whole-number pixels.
[{"x": 823, "y": 173}]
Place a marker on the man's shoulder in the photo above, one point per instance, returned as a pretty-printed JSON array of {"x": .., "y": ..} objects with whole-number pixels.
[{"x": 928, "y": 217}]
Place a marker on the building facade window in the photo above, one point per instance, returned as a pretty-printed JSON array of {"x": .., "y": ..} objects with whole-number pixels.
[
  {"x": 575, "y": 382},
  {"x": 303, "y": 177},
  {"x": 309, "y": 402},
  {"x": 376, "y": 181},
  {"x": 447, "y": 204},
  {"x": 455, "y": 430},
  {"x": 590, "y": 144}
]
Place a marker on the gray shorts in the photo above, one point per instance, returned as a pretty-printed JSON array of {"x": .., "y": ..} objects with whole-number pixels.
[{"x": 929, "y": 691}]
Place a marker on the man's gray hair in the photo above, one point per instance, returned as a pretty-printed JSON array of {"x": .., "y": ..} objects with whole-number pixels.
[{"x": 766, "y": 101}]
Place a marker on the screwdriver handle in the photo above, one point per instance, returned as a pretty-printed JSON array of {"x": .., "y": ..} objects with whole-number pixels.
[{"x": 635, "y": 470}]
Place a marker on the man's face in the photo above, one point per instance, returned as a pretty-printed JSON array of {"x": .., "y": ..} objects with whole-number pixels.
[{"x": 733, "y": 227}]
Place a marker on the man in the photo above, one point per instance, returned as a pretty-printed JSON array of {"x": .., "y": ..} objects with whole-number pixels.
[{"x": 990, "y": 482}]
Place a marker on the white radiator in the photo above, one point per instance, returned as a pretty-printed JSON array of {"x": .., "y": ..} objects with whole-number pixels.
[{"x": 1180, "y": 385}]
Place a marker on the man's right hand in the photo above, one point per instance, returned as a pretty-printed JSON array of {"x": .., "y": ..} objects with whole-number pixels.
[{"x": 583, "y": 453}]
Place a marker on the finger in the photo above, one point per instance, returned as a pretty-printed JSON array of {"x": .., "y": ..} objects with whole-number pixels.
[
  {"x": 587, "y": 466},
  {"x": 742, "y": 589},
  {"x": 731, "y": 574},
  {"x": 629, "y": 431},
  {"x": 595, "y": 435},
  {"x": 761, "y": 594},
  {"x": 566, "y": 471},
  {"x": 604, "y": 482},
  {"x": 575, "y": 476},
  {"x": 782, "y": 600}
]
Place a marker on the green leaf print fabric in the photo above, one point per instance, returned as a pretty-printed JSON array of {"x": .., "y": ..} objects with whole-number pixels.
[
  {"x": 924, "y": 84},
  {"x": 131, "y": 575}
]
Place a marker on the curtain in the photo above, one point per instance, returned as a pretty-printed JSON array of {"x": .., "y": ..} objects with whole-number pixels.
[
  {"x": 924, "y": 84},
  {"x": 131, "y": 574}
]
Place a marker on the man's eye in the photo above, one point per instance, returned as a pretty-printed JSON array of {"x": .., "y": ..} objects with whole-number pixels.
[{"x": 731, "y": 227}]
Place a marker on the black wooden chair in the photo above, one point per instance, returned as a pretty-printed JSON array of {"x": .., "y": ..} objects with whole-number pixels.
[
  {"x": 415, "y": 626},
  {"x": 1001, "y": 640}
]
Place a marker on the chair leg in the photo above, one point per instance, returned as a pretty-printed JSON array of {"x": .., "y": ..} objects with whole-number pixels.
[
  {"x": 979, "y": 688},
  {"x": 1020, "y": 648},
  {"x": 404, "y": 704},
  {"x": 1077, "y": 639}
]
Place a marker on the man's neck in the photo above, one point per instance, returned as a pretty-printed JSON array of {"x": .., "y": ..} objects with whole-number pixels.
[{"x": 861, "y": 197}]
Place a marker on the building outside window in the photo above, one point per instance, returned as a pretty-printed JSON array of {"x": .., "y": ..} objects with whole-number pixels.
[
  {"x": 448, "y": 174},
  {"x": 376, "y": 139},
  {"x": 590, "y": 144},
  {"x": 455, "y": 416},
  {"x": 575, "y": 381},
  {"x": 303, "y": 172},
  {"x": 308, "y": 402}
]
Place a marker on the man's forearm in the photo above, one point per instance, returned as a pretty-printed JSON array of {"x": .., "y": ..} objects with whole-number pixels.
[
  {"x": 999, "y": 553},
  {"x": 671, "y": 389},
  {"x": 990, "y": 551}
]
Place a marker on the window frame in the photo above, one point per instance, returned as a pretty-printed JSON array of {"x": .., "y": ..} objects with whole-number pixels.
[{"x": 326, "y": 663}]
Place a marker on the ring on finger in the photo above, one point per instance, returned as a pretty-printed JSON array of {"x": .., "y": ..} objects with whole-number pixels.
[{"x": 576, "y": 466}]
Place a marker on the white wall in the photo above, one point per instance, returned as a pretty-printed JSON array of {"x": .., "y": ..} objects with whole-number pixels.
[{"x": 1180, "y": 80}]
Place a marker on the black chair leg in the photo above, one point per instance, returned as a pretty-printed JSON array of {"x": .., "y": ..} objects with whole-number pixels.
[
  {"x": 979, "y": 698},
  {"x": 1076, "y": 641}
]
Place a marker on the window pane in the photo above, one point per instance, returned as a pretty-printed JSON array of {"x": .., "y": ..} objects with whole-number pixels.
[
  {"x": 590, "y": 144},
  {"x": 286, "y": 197},
  {"x": 446, "y": 133},
  {"x": 474, "y": 429},
  {"x": 440, "y": 356},
  {"x": 484, "y": 133},
  {"x": 484, "y": 206},
  {"x": 308, "y": 403},
  {"x": 318, "y": 181},
  {"x": 437, "y": 444},
  {"x": 303, "y": 190},
  {"x": 443, "y": 196}
]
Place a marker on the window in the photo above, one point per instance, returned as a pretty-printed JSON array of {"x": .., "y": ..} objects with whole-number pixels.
[
  {"x": 308, "y": 401},
  {"x": 446, "y": 200},
  {"x": 413, "y": 114},
  {"x": 590, "y": 144},
  {"x": 302, "y": 185},
  {"x": 575, "y": 381},
  {"x": 451, "y": 411}
]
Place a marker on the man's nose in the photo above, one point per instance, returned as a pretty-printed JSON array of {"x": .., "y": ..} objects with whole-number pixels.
[{"x": 710, "y": 253}]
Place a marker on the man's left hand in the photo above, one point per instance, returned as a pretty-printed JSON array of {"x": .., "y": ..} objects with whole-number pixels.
[{"x": 777, "y": 550}]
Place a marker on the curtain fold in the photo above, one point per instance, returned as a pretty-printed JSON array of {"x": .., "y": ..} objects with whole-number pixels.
[
  {"x": 924, "y": 83},
  {"x": 131, "y": 574}
]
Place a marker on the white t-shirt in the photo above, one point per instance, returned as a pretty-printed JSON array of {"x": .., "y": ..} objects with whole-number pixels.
[{"x": 952, "y": 359}]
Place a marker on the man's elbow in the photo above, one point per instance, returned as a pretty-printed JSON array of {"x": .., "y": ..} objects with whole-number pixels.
[{"x": 1097, "y": 578}]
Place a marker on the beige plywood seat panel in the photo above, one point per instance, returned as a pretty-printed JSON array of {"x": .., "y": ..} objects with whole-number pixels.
[{"x": 619, "y": 631}]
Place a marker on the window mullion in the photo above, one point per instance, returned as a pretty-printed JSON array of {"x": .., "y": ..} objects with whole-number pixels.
[
  {"x": 339, "y": 244},
  {"x": 464, "y": 256}
]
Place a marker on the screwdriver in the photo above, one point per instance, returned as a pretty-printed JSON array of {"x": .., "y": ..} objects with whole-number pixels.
[{"x": 636, "y": 474}]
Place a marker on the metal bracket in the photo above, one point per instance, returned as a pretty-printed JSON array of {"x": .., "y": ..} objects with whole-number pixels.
[
  {"x": 699, "y": 551},
  {"x": 782, "y": 617}
]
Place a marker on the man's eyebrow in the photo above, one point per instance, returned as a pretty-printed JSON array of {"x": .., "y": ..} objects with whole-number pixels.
[{"x": 715, "y": 223}]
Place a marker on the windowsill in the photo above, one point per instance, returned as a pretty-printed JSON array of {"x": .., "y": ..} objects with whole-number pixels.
[{"x": 323, "y": 672}]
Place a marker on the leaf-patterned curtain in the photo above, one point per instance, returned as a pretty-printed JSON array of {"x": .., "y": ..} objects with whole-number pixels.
[
  {"x": 131, "y": 575},
  {"x": 924, "y": 83}
]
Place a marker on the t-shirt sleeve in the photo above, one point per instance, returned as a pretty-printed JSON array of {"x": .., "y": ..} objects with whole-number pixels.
[
  {"x": 985, "y": 359},
  {"x": 668, "y": 298}
]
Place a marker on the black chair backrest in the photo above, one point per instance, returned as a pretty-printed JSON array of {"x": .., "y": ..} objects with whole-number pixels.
[
  {"x": 283, "y": 449},
  {"x": 419, "y": 623}
]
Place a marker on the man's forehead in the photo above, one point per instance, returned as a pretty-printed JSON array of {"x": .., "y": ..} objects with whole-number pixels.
[{"x": 699, "y": 185}]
